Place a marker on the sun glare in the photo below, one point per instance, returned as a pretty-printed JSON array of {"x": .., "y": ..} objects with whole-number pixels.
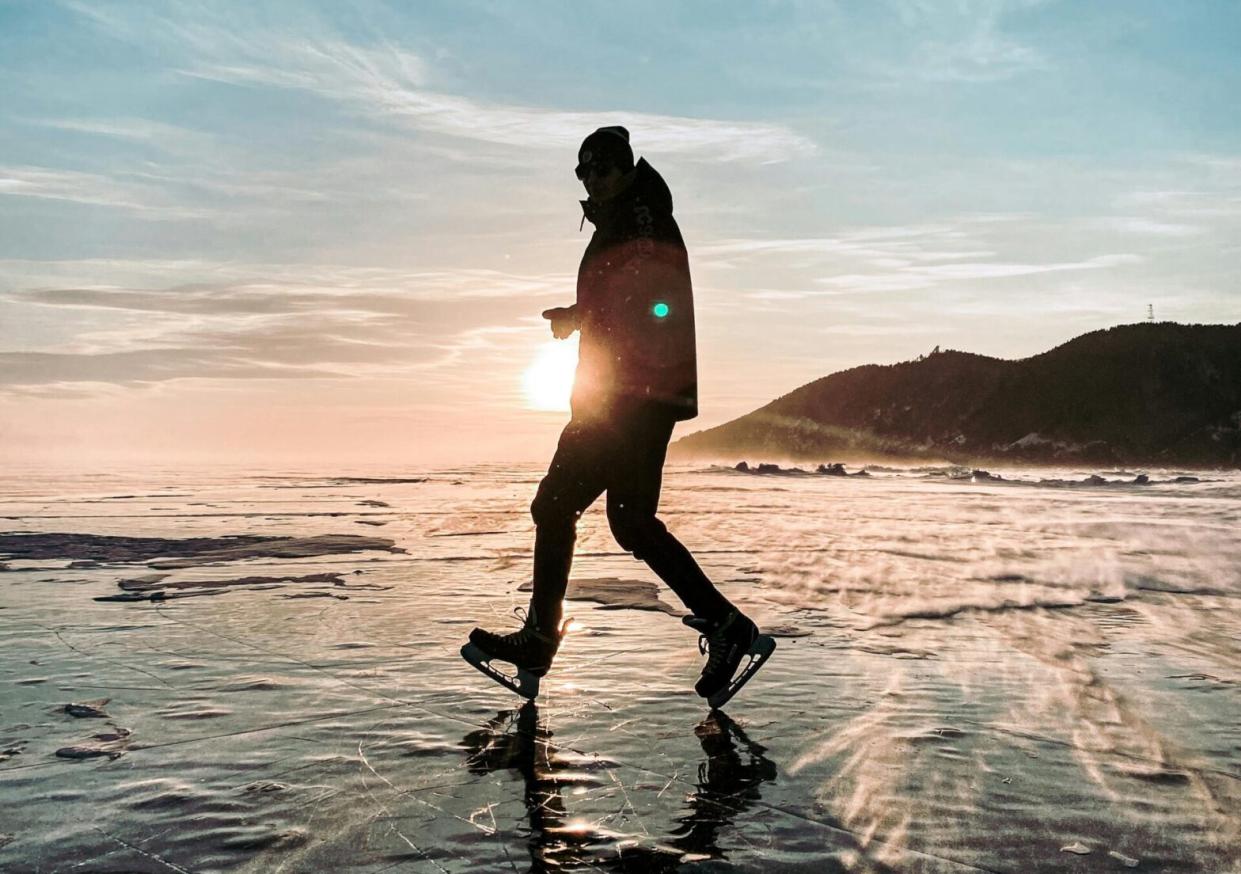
[{"x": 548, "y": 381}]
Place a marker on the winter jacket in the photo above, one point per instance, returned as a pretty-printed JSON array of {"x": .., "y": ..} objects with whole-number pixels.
[{"x": 635, "y": 306}]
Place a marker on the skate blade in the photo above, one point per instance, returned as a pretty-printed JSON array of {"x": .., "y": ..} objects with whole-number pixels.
[
  {"x": 523, "y": 682},
  {"x": 759, "y": 652}
]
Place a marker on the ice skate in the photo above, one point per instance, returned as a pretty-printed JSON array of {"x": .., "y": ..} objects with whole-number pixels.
[
  {"x": 726, "y": 643},
  {"x": 529, "y": 650}
]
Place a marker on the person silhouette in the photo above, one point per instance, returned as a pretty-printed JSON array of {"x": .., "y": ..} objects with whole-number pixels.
[{"x": 636, "y": 378}]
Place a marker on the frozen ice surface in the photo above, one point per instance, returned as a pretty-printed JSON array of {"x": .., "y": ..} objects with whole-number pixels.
[{"x": 972, "y": 676}]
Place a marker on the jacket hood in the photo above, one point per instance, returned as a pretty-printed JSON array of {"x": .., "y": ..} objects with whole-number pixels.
[
  {"x": 651, "y": 187},
  {"x": 647, "y": 186}
]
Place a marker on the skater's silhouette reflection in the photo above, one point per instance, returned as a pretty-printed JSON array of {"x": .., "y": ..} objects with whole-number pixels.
[{"x": 728, "y": 784}]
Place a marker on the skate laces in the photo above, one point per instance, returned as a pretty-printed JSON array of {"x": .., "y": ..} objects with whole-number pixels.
[
  {"x": 714, "y": 644},
  {"x": 528, "y": 631},
  {"x": 715, "y": 647}
]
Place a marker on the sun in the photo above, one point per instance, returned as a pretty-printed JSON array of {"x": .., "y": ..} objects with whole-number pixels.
[{"x": 548, "y": 381}]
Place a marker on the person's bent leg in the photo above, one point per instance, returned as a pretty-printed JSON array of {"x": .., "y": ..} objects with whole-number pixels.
[
  {"x": 633, "y": 498},
  {"x": 650, "y": 540}
]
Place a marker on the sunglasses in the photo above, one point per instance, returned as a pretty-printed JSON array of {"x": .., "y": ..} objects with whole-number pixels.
[{"x": 593, "y": 168}]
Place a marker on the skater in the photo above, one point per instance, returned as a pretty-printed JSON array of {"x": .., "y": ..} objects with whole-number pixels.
[{"x": 636, "y": 378}]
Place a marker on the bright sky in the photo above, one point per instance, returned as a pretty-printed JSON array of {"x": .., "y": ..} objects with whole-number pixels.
[{"x": 324, "y": 233}]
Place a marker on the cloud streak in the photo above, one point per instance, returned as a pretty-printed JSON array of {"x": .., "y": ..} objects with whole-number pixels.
[
  {"x": 344, "y": 323},
  {"x": 387, "y": 84},
  {"x": 966, "y": 42},
  {"x": 872, "y": 261},
  {"x": 92, "y": 189}
]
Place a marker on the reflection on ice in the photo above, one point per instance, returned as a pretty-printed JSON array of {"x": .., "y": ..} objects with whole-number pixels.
[{"x": 728, "y": 784}]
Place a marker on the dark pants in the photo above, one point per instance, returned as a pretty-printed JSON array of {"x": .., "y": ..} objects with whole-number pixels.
[{"x": 624, "y": 456}]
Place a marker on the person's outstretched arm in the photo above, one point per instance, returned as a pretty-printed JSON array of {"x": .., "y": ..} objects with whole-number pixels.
[{"x": 563, "y": 319}]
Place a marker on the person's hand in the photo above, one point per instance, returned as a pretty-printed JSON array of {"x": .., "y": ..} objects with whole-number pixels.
[{"x": 563, "y": 319}]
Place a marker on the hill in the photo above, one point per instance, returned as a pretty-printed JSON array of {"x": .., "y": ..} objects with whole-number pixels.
[{"x": 1161, "y": 393}]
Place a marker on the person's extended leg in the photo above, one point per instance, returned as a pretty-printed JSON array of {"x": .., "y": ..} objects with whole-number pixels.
[
  {"x": 574, "y": 479},
  {"x": 633, "y": 498}
]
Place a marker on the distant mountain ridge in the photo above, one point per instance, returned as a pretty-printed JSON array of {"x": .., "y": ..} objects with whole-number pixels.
[{"x": 1148, "y": 393}]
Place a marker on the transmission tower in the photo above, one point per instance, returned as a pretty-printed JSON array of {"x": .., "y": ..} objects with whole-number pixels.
[{"x": 1150, "y": 312}]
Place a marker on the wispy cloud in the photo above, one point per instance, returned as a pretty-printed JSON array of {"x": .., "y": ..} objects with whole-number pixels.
[
  {"x": 143, "y": 130},
  {"x": 388, "y": 85},
  {"x": 1132, "y": 224},
  {"x": 94, "y": 189},
  {"x": 132, "y": 368},
  {"x": 965, "y": 41},
  {"x": 925, "y": 276},
  {"x": 983, "y": 55},
  {"x": 991, "y": 270},
  {"x": 343, "y": 323},
  {"x": 1219, "y": 204},
  {"x": 377, "y": 92},
  {"x": 870, "y": 261},
  {"x": 874, "y": 283},
  {"x": 289, "y": 288},
  {"x": 873, "y": 248}
]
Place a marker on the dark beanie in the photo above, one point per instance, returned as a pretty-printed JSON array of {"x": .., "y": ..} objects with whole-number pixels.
[{"x": 607, "y": 144}]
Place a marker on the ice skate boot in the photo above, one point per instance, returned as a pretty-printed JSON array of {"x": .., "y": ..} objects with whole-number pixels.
[
  {"x": 529, "y": 650},
  {"x": 726, "y": 642}
]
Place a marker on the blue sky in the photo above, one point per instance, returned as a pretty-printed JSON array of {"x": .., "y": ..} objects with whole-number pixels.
[{"x": 284, "y": 232}]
